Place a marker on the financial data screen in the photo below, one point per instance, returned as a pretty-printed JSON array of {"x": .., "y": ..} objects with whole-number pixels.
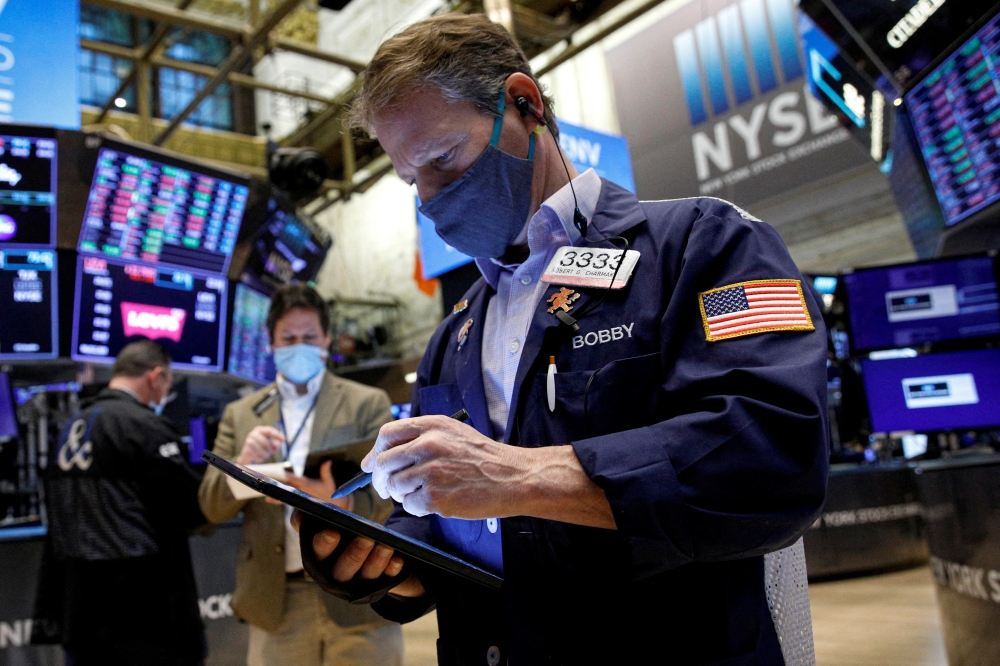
[
  {"x": 27, "y": 190},
  {"x": 119, "y": 302},
  {"x": 28, "y": 308},
  {"x": 956, "y": 115},
  {"x": 144, "y": 209},
  {"x": 934, "y": 392},
  {"x": 902, "y": 306},
  {"x": 249, "y": 355},
  {"x": 288, "y": 250}
]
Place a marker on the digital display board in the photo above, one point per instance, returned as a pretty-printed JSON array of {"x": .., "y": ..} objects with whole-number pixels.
[
  {"x": 119, "y": 302},
  {"x": 8, "y": 417},
  {"x": 28, "y": 307},
  {"x": 955, "y": 112},
  {"x": 901, "y": 306},
  {"x": 249, "y": 350},
  {"x": 147, "y": 207},
  {"x": 957, "y": 390},
  {"x": 27, "y": 188},
  {"x": 899, "y": 38},
  {"x": 288, "y": 249}
]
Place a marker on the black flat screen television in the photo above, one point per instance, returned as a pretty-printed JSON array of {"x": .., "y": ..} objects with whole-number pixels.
[
  {"x": 120, "y": 302},
  {"x": 155, "y": 208},
  {"x": 28, "y": 185},
  {"x": 29, "y": 313},
  {"x": 926, "y": 302},
  {"x": 287, "y": 248},
  {"x": 955, "y": 112}
]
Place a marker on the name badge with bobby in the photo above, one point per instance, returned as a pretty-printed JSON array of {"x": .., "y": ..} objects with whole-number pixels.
[{"x": 591, "y": 267}]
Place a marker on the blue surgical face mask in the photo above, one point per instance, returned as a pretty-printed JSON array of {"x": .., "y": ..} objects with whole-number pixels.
[
  {"x": 483, "y": 211},
  {"x": 299, "y": 363}
]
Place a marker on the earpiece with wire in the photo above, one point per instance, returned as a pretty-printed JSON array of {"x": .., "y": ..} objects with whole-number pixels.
[{"x": 524, "y": 106}]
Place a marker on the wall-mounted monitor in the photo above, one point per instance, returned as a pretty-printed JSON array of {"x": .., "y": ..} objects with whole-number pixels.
[
  {"x": 955, "y": 112},
  {"x": 154, "y": 208},
  {"x": 951, "y": 391},
  {"x": 120, "y": 302},
  {"x": 913, "y": 304},
  {"x": 29, "y": 327},
  {"x": 288, "y": 248},
  {"x": 28, "y": 177},
  {"x": 895, "y": 38},
  {"x": 249, "y": 351}
]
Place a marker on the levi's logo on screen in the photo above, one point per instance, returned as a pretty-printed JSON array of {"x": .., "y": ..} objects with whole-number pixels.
[{"x": 153, "y": 321}]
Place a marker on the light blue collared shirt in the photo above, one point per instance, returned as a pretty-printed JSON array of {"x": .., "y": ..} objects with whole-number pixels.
[{"x": 519, "y": 289}]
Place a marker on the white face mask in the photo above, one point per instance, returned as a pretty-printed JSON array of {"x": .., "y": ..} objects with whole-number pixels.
[{"x": 160, "y": 405}]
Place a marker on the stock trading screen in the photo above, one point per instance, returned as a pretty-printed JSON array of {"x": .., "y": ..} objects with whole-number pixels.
[
  {"x": 28, "y": 325},
  {"x": 249, "y": 352},
  {"x": 143, "y": 209},
  {"x": 27, "y": 190},
  {"x": 117, "y": 302},
  {"x": 956, "y": 115}
]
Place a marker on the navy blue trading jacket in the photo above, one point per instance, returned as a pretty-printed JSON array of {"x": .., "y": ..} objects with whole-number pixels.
[{"x": 710, "y": 453}]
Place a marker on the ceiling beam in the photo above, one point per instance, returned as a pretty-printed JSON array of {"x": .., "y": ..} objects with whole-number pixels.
[
  {"x": 233, "y": 30},
  {"x": 235, "y": 78}
]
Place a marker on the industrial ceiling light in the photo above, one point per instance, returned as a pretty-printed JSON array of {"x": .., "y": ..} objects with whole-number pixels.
[{"x": 120, "y": 102}]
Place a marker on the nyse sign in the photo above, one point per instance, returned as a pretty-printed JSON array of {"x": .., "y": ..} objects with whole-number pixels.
[{"x": 720, "y": 106}]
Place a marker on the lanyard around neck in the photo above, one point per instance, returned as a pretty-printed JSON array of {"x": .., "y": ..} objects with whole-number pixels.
[{"x": 289, "y": 443}]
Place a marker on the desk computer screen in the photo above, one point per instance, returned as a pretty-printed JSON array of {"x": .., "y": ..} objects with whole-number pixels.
[
  {"x": 27, "y": 187},
  {"x": 28, "y": 307},
  {"x": 956, "y": 115},
  {"x": 118, "y": 302},
  {"x": 902, "y": 306},
  {"x": 952, "y": 391},
  {"x": 249, "y": 355},
  {"x": 147, "y": 207}
]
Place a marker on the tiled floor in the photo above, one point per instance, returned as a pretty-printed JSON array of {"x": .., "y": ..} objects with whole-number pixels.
[{"x": 885, "y": 620}]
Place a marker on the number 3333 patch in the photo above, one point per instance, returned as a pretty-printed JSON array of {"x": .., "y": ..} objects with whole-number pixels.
[{"x": 757, "y": 306}]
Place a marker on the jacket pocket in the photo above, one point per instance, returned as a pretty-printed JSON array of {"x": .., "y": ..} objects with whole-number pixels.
[
  {"x": 619, "y": 395},
  {"x": 440, "y": 399}
]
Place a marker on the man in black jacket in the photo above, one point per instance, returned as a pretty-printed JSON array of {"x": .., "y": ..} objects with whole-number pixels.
[{"x": 122, "y": 501}]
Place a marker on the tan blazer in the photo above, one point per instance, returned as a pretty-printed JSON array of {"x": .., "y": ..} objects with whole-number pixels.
[{"x": 345, "y": 413}]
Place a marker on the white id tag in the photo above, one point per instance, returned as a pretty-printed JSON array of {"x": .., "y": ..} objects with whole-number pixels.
[{"x": 590, "y": 267}]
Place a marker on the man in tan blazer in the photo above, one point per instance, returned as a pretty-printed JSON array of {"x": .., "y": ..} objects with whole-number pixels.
[{"x": 291, "y": 620}]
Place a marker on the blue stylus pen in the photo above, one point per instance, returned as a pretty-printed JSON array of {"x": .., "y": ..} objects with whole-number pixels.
[{"x": 362, "y": 479}]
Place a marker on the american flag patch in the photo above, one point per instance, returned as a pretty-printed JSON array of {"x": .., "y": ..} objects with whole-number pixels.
[{"x": 757, "y": 306}]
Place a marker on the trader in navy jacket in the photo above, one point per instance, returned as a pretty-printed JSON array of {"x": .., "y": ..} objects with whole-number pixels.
[{"x": 633, "y": 455}]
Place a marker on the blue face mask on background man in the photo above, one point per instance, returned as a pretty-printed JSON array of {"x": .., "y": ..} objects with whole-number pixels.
[
  {"x": 299, "y": 363},
  {"x": 482, "y": 212}
]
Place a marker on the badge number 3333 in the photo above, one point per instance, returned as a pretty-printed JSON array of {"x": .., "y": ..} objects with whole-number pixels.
[{"x": 590, "y": 267}]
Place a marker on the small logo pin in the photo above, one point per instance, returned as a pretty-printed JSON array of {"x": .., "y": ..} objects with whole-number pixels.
[
  {"x": 461, "y": 306},
  {"x": 562, "y": 300},
  {"x": 463, "y": 333}
]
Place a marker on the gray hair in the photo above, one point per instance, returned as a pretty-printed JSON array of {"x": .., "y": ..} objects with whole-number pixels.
[{"x": 466, "y": 56}]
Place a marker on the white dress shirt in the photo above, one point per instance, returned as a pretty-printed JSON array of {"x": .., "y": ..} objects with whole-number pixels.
[
  {"x": 297, "y": 416},
  {"x": 519, "y": 290}
]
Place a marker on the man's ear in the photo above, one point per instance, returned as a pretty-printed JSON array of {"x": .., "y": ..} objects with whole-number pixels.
[{"x": 518, "y": 85}]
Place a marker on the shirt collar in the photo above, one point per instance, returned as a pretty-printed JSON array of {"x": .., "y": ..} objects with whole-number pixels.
[
  {"x": 290, "y": 393},
  {"x": 554, "y": 215},
  {"x": 130, "y": 393}
]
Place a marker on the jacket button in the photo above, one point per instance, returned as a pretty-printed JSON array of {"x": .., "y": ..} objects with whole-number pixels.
[
  {"x": 493, "y": 655},
  {"x": 278, "y": 550}
]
